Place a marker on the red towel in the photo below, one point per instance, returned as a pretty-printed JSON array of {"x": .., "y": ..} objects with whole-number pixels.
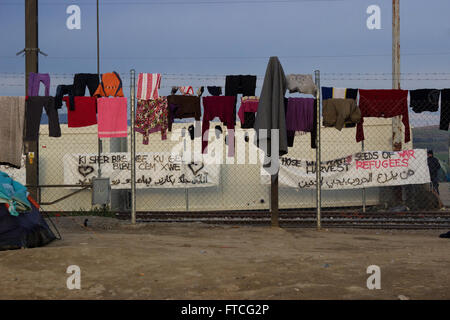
[
  {"x": 383, "y": 104},
  {"x": 112, "y": 117},
  {"x": 85, "y": 113}
]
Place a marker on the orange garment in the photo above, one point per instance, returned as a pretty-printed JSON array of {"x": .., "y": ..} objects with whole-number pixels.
[{"x": 111, "y": 85}]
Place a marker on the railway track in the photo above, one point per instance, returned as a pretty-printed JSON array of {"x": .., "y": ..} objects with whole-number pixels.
[{"x": 374, "y": 220}]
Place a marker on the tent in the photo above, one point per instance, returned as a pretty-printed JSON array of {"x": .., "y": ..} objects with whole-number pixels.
[{"x": 27, "y": 230}]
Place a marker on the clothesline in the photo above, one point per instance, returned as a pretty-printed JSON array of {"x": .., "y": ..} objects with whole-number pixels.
[
  {"x": 156, "y": 113},
  {"x": 259, "y": 75},
  {"x": 322, "y": 79},
  {"x": 384, "y": 79}
]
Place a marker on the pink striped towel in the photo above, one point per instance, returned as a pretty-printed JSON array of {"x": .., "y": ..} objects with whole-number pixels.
[
  {"x": 112, "y": 117},
  {"x": 148, "y": 85}
]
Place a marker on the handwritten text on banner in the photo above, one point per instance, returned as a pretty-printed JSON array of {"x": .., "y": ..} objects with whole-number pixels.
[
  {"x": 363, "y": 169},
  {"x": 153, "y": 170}
]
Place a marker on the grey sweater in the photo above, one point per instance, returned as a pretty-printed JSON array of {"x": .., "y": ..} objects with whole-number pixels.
[{"x": 271, "y": 114}]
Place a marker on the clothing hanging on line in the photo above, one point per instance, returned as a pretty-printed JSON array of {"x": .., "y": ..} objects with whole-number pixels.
[
  {"x": 80, "y": 82},
  {"x": 182, "y": 107},
  {"x": 302, "y": 83},
  {"x": 174, "y": 90},
  {"x": 152, "y": 116},
  {"x": 173, "y": 108},
  {"x": 61, "y": 91},
  {"x": 300, "y": 114},
  {"x": 351, "y": 94},
  {"x": 424, "y": 100},
  {"x": 337, "y": 112},
  {"x": 271, "y": 110},
  {"x": 339, "y": 93},
  {"x": 187, "y": 90},
  {"x": 84, "y": 115},
  {"x": 428, "y": 100},
  {"x": 221, "y": 107},
  {"x": 78, "y": 88},
  {"x": 33, "y": 114},
  {"x": 110, "y": 86},
  {"x": 445, "y": 109},
  {"x": 148, "y": 85},
  {"x": 383, "y": 104},
  {"x": 247, "y": 110},
  {"x": 327, "y": 93},
  {"x": 301, "y": 117},
  {"x": 214, "y": 90},
  {"x": 112, "y": 117},
  {"x": 34, "y": 80},
  {"x": 239, "y": 84},
  {"x": 83, "y": 80},
  {"x": 12, "y": 126}
]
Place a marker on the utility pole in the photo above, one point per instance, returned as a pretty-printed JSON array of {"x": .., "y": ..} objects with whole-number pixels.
[
  {"x": 396, "y": 121},
  {"x": 31, "y": 65}
]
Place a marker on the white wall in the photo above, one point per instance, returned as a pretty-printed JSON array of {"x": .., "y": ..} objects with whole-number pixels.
[{"x": 239, "y": 188}]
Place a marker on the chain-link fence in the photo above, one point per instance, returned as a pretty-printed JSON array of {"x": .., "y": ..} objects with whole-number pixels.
[
  {"x": 240, "y": 186},
  {"x": 371, "y": 175}
]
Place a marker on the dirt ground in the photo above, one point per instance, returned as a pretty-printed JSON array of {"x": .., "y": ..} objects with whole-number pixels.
[{"x": 199, "y": 261}]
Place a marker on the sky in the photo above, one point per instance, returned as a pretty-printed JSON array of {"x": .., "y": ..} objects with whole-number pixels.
[{"x": 198, "y": 42}]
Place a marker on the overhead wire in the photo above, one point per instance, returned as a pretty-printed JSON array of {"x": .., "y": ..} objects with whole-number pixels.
[{"x": 198, "y": 2}]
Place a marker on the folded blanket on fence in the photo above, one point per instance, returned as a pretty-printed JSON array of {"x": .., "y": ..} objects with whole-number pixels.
[{"x": 12, "y": 110}]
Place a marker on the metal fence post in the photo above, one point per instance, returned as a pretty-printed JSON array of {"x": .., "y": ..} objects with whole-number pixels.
[
  {"x": 133, "y": 145},
  {"x": 274, "y": 200},
  {"x": 363, "y": 189},
  {"x": 318, "y": 164},
  {"x": 100, "y": 144}
]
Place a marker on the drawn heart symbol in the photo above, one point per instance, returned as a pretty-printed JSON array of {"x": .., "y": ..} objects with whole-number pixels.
[
  {"x": 85, "y": 170},
  {"x": 195, "y": 167}
]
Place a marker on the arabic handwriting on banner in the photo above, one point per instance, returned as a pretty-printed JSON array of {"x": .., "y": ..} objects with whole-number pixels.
[
  {"x": 153, "y": 170},
  {"x": 363, "y": 169},
  {"x": 201, "y": 178}
]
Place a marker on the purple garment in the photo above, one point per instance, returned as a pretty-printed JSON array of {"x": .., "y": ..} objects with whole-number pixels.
[
  {"x": 34, "y": 80},
  {"x": 300, "y": 114}
]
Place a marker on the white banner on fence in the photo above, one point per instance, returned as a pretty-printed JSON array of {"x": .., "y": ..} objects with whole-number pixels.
[
  {"x": 19, "y": 175},
  {"x": 360, "y": 170},
  {"x": 153, "y": 170}
]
